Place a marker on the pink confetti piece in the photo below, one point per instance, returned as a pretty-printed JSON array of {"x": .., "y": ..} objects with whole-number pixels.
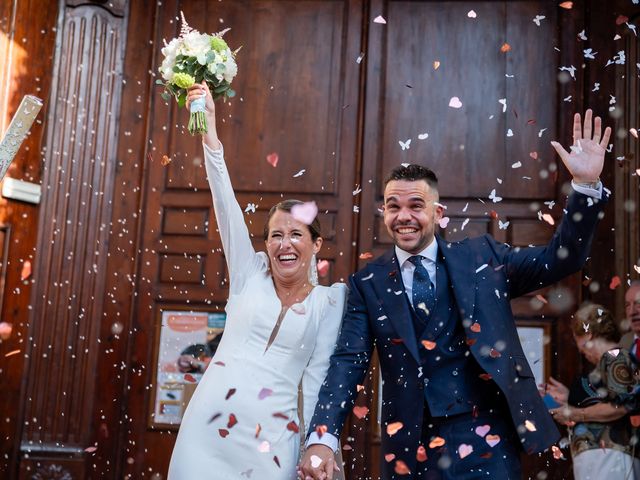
[
  {"x": 264, "y": 447},
  {"x": 5, "y": 330},
  {"x": 464, "y": 450},
  {"x": 360, "y": 411},
  {"x": 264, "y": 393},
  {"x": 548, "y": 218},
  {"x": 482, "y": 430},
  {"x": 323, "y": 268},
  {"x": 443, "y": 222},
  {"x": 272, "y": 158},
  {"x": 305, "y": 212},
  {"x": 90, "y": 449},
  {"x": 492, "y": 440}
]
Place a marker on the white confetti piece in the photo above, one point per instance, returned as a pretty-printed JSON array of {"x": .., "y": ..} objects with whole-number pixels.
[
  {"x": 516, "y": 165},
  {"x": 360, "y": 58},
  {"x": 538, "y": 18},
  {"x": 494, "y": 197},
  {"x": 633, "y": 132},
  {"x": 464, "y": 224},
  {"x": 251, "y": 207},
  {"x": 482, "y": 267},
  {"x": 405, "y": 145},
  {"x": 540, "y": 132},
  {"x": 356, "y": 191},
  {"x": 509, "y": 133},
  {"x": 300, "y": 173},
  {"x": 589, "y": 53},
  {"x": 316, "y": 461},
  {"x": 582, "y": 36},
  {"x": 455, "y": 102},
  {"x": 443, "y": 222},
  {"x": 380, "y": 19},
  {"x": 423, "y": 136},
  {"x": 503, "y": 102},
  {"x": 503, "y": 225},
  {"x": 472, "y": 14}
]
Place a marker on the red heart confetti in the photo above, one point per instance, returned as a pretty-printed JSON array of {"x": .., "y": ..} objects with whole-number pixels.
[
  {"x": 293, "y": 427},
  {"x": 394, "y": 428},
  {"x": 321, "y": 430},
  {"x": 389, "y": 457},
  {"x": 428, "y": 344},
  {"x": 401, "y": 468},
  {"x": 232, "y": 421},
  {"x": 223, "y": 432},
  {"x": 360, "y": 411},
  {"x": 26, "y": 270},
  {"x": 366, "y": 256},
  {"x": 505, "y": 48},
  {"x": 421, "y": 454},
  {"x": 615, "y": 282},
  {"x": 272, "y": 158},
  {"x": 189, "y": 378},
  {"x": 436, "y": 442},
  {"x": 475, "y": 328},
  {"x": 323, "y": 268}
]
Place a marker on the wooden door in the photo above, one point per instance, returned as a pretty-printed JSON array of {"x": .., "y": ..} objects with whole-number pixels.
[
  {"x": 297, "y": 97},
  {"x": 471, "y": 90}
]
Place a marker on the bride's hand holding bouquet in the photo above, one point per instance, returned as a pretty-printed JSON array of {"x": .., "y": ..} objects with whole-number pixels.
[
  {"x": 196, "y": 58},
  {"x": 200, "y": 93}
]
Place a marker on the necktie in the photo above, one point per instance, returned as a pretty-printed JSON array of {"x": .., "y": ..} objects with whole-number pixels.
[
  {"x": 423, "y": 295},
  {"x": 638, "y": 349}
]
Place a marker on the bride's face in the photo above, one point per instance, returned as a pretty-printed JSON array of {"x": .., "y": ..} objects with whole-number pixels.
[{"x": 290, "y": 247}]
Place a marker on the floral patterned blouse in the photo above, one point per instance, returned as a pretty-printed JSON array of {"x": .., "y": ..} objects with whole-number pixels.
[{"x": 614, "y": 380}]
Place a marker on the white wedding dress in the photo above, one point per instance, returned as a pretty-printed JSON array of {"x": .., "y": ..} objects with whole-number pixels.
[{"x": 242, "y": 420}]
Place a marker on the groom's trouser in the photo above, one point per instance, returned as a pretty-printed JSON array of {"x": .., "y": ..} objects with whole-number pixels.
[{"x": 482, "y": 446}]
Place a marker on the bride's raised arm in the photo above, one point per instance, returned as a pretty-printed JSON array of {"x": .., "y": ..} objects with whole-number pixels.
[{"x": 242, "y": 260}]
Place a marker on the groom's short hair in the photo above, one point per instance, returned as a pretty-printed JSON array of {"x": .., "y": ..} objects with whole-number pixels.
[{"x": 412, "y": 172}]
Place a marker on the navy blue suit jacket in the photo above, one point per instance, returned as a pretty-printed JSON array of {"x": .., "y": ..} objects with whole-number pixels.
[{"x": 485, "y": 276}]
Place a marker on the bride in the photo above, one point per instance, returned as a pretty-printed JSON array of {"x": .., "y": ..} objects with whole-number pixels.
[{"x": 243, "y": 420}]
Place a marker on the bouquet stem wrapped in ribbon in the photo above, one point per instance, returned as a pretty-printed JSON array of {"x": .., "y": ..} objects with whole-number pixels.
[{"x": 192, "y": 58}]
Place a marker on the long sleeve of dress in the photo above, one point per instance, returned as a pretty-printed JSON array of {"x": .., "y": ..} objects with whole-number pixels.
[
  {"x": 327, "y": 336},
  {"x": 242, "y": 259}
]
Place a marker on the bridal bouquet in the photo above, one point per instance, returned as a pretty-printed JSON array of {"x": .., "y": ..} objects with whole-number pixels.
[{"x": 192, "y": 58}]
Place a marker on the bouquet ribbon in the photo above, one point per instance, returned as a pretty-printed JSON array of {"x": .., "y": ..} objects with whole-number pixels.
[{"x": 198, "y": 105}]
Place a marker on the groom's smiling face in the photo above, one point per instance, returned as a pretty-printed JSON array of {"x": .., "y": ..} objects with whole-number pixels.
[{"x": 411, "y": 213}]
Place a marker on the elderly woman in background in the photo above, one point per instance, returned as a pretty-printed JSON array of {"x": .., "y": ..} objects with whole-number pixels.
[{"x": 596, "y": 408}]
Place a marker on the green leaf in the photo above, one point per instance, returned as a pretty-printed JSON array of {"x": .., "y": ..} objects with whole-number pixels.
[{"x": 182, "y": 99}]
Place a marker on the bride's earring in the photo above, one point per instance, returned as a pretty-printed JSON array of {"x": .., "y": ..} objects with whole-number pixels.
[{"x": 313, "y": 270}]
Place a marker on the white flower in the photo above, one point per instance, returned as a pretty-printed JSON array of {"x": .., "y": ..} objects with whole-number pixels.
[
  {"x": 230, "y": 68},
  {"x": 170, "y": 51},
  {"x": 196, "y": 45}
]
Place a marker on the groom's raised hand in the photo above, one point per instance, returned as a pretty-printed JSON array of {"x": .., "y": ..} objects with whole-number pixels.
[
  {"x": 586, "y": 159},
  {"x": 318, "y": 463}
]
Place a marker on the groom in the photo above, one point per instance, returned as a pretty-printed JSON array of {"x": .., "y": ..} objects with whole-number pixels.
[{"x": 459, "y": 398}]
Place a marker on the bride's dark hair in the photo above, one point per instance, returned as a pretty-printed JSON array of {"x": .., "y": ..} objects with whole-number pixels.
[{"x": 286, "y": 206}]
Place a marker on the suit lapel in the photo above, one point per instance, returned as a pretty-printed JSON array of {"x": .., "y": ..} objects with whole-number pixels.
[
  {"x": 393, "y": 298},
  {"x": 461, "y": 267}
]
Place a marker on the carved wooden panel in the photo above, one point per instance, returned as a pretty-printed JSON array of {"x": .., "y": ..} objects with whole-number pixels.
[
  {"x": 26, "y": 49},
  {"x": 298, "y": 97},
  {"x": 73, "y": 231}
]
